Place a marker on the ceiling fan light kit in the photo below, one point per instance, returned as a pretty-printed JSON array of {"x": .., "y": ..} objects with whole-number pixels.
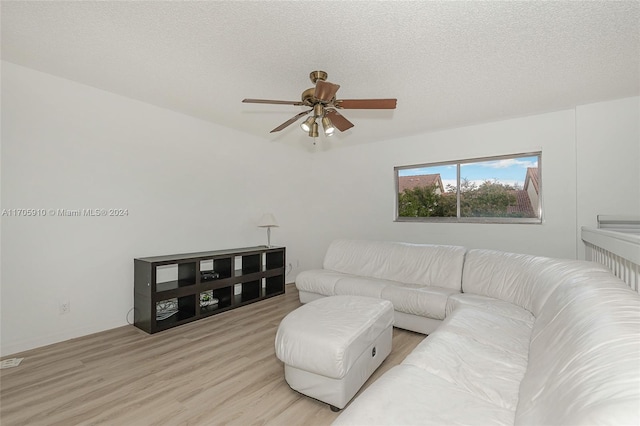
[
  {"x": 306, "y": 125},
  {"x": 328, "y": 127},
  {"x": 314, "y": 130},
  {"x": 324, "y": 106}
]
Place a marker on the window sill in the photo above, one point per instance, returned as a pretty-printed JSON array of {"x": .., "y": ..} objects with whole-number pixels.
[{"x": 496, "y": 220}]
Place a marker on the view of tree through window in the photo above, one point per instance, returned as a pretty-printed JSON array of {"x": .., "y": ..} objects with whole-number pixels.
[{"x": 505, "y": 188}]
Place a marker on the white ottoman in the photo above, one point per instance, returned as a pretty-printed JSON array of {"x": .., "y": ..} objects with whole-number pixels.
[{"x": 332, "y": 345}]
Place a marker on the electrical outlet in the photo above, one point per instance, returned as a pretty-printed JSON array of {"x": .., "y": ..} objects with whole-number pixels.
[{"x": 65, "y": 307}]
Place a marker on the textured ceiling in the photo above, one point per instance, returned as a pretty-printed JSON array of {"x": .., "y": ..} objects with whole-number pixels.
[{"x": 448, "y": 63}]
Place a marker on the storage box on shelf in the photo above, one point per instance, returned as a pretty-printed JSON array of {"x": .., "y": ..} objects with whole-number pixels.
[{"x": 176, "y": 289}]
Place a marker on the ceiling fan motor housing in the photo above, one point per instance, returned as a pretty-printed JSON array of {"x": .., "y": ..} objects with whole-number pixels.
[{"x": 308, "y": 96}]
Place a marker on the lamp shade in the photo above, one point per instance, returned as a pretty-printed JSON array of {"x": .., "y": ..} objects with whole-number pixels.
[{"x": 267, "y": 220}]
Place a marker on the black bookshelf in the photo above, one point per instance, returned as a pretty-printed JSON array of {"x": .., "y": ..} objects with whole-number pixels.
[{"x": 176, "y": 289}]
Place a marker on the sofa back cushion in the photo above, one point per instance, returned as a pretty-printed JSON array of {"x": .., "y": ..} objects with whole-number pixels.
[
  {"x": 420, "y": 264},
  {"x": 583, "y": 356},
  {"x": 522, "y": 279}
]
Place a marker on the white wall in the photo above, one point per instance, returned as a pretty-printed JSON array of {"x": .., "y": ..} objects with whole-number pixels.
[
  {"x": 608, "y": 158},
  {"x": 188, "y": 185},
  {"x": 358, "y": 195}
]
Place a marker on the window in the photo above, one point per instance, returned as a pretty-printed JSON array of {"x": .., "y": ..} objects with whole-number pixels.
[{"x": 505, "y": 189}]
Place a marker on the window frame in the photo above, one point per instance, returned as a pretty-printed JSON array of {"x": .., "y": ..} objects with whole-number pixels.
[{"x": 458, "y": 219}]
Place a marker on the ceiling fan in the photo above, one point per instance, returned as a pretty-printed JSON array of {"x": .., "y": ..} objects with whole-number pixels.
[{"x": 324, "y": 106}]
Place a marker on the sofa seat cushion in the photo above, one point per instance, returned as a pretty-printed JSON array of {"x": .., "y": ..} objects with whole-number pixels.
[
  {"x": 504, "y": 333},
  {"x": 487, "y": 364},
  {"x": 409, "y": 395},
  {"x": 483, "y": 370},
  {"x": 427, "y": 302},
  {"x": 489, "y": 304},
  {"x": 319, "y": 281},
  {"x": 360, "y": 286}
]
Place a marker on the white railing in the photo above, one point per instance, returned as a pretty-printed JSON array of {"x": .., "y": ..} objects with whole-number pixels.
[{"x": 616, "y": 244}]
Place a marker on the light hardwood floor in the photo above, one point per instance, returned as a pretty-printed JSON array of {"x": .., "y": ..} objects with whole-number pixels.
[{"x": 216, "y": 371}]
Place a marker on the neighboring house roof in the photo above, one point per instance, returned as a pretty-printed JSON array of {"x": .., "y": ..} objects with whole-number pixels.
[
  {"x": 532, "y": 179},
  {"x": 522, "y": 205},
  {"x": 412, "y": 182}
]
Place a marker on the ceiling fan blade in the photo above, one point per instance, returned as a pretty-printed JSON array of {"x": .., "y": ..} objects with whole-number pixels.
[
  {"x": 325, "y": 91},
  {"x": 367, "y": 103},
  {"x": 338, "y": 120},
  {"x": 290, "y": 121},
  {"x": 268, "y": 101}
]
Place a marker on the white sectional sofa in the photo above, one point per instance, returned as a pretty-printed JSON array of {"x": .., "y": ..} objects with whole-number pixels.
[
  {"x": 417, "y": 279},
  {"x": 526, "y": 340}
]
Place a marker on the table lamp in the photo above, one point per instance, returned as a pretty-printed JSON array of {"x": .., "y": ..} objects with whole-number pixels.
[{"x": 268, "y": 221}]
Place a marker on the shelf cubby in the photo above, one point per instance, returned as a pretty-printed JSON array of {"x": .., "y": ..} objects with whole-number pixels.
[
  {"x": 223, "y": 267},
  {"x": 250, "y": 291},
  {"x": 274, "y": 285},
  {"x": 184, "y": 307},
  {"x": 251, "y": 263},
  {"x": 275, "y": 260},
  {"x": 224, "y": 296},
  {"x": 245, "y": 275},
  {"x": 175, "y": 275}
]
